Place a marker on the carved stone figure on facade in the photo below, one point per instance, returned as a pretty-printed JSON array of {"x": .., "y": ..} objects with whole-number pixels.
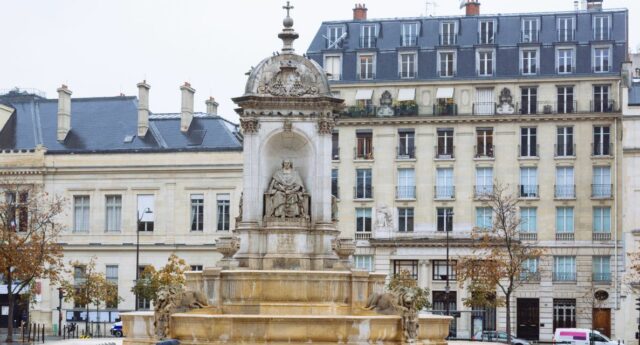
[
  {"x": 171, "y": 300},
  {"x": 386, "y": 102},
  {"x": 285, "y": 197},
  {"x": 506, "y": 102},
  {"x": 384, "y": 216},
  {"x": 240, "y": 206},
  {"x": 334, "y": 208}
]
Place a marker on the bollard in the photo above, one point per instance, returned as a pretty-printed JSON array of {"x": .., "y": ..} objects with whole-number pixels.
[{"x": 43, "y": 333}]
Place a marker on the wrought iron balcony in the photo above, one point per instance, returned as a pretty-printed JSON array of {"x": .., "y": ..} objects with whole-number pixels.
[
  {"x": 565, "y": 191},
  {"x": 565, "y": 150},
  {"x": 565, "y": 236},
  {"x": 444, "y": 192},
  {"x": 445, "y": 152},
  {"x": 601, "y": 191},
  {"x": 447, "y": 109},
  {"x": 529, "y": 191},
  {"x": 405, "y": 192},
  {"x": 404, "y": 152}
]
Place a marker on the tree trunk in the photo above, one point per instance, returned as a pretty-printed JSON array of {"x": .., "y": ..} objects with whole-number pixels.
[
  {"x": 10, "y": 316},
  {"x": 508, "y": 327}
]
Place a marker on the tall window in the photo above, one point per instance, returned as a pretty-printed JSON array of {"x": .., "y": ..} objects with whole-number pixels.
[
  {"x": 565, "y": 184},
  {"x": 363, "y": 220},
  {"x": 564, "y": 268},
  {"x": 565, "y": 61},
  {"x": 112, "y": 278},
  {"x": 405, "y": 219},
  {"x": 408, "y": 65},
  {"x": 564, "y": 313},
  {"x": 444, "y": 183},
  {"x": 485, "y": 63},
  {"x": 565, "y": 100},
  {"x": 484, "y": 142},
  {"x": 223, "y": 203},
  {"x": 406, "y": 183},
  {"x": 601, "y": 59},
  {"x": 445, "y": 143},
  {"x": 368, "y": 36},
  {"x": 529, "y": 269},
  {"x": 441, "y": 270},
  {"x": 335, "y": 146},
  {"x": 406, "y": 143},
  {"x": 447, "y": 64},
  {"x": 528, "y": 219},
  {"x": 146, "y": 212},
  {"x": 335, "y": 37},
  {"x": 565, "y": 29},
  {"x": 528, "y": 182},
  {"x": 601, "y": 140},
  {"x": 363, "y": 262},
  {"x": 197, "y": 212},
  {"x": 529, "y": 30},
  {"x": 367, "y": 66},
  {"x": 334, "y": 183},
  {"x": 487, "y": 31},
  {"x": 564, "y": 220},
  {"x": 601, "y": 102},
  {"x": 445, "y": 219},
  {"x": 114, "y": 212},
  {"x": 81, "y": 213},
  {"x": 601, "y": 182},
  {"x": 529, "y": 62},
  {"x": 601, "y": 268},
  {"x": 333, "y": 66},
  {"x": 484, "y": 217},
  {"x": 601, "y": 28},
  {"x": 528, "y": 142},
  {"x": 409, "y": 34},
  {"x": 79, "y": 278},
  {"x": 364, "y": 142},
  {"x": 448, "y": 32},
  {"x": 602, "y": 220},
  {"x": 143, "y": 303},
  {"x": 363, "y": 184},
  {"x": 565, "y": 146},
  {"x": 484, "y": 181},
  {"x": 529, "y": 100},
  {"x": 408, "y": 266}
]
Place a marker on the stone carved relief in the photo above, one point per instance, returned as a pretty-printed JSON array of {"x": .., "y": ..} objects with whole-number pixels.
[
  {"x": 287, "y": 126},
  {"x": 506, "y": 102},
  {"x": 171, "y": 300},
  {"x": 249, "y": 125},
  {"x": 287, "y": 82},
  {"x": 386, "y": 101},
  {"x": 286, "y": 196},
  {"x": 384, "y": 216},
  {"x": 325, "y": 126}
]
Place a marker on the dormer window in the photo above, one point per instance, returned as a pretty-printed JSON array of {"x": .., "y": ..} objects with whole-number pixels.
[
  {"x": 566, "y": 31},
  {"x": 487, "y": 32},
  {"x": 529, "y": 61},
  {"x": 409, "y": 34},
  {"x": 368, "y": 36},
  {"x": 529, "y": 30},
  {"x": 448, "y": 33},
  {"x": 601, "y": 28},
  {"x": 335, "y": 36}
]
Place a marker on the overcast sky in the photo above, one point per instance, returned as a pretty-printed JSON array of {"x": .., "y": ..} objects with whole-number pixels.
[{"x": 103, "y": 48}]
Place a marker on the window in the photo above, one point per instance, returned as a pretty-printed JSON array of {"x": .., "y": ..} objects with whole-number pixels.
[
  {"x": 601, "y": 268},
  {"x": 487, "y": 31},
  {"x": 602, "y": 220},
  {"x": 363, "y": 262},
  {"x": 406, "y": 144},
  {"x": 146, "y": 213},
  {"x": 19, "y": 212},
  {"x": 367, "y": 66},
  {"x": 484, "y": 217},
  {"x": 363, "y": 220},
  {"x": 601, "y": 103},
  {"x": 335, "y": 146},
  {"x": 565, "y": 29},
  {"x": 112, "y": 278},
  {"x": 565, "y": 60},
  {"x": 197, "y": 212},
  {"x": 529, "y": 100},
  {"x": 368, "y": 36},
  {"x": 409, "y": 34},
  {"x": 565, "y": 184},
  {"x": 530, "y": 269},
  {"x": 333, "y": 66},
  {"x": 79, "y": 279},
  {"x": 444, "y": 183},
  {"x": 564, "y": 268},
  {"x": 528, "y": 142},
  {"x": 143, "y": 303},
  {"x": 81, "y": 213},
  {"x": 364, "y": 142},
  {"x": 334, "y": 183},
  {"x": 114, "y": 212},
  {"x": 565, "y": 146},
  {"x": 363, "y": 184},
  {"x": 196, "y": 268},
  {"x": 528, "y": 219},
  {"x": 445, "y": 143},
  {"x": 529, "y": 62},
  {"x": 409, "y": 266},
  {"x": 529, "y": 182},
  {"x": 445, "y": 219},
  {"x": 223, "y": 201},
  {"x": 565, "y": 102},
  {"x": 443, "y": 301},
  {"x": 405, "y": 219},
  {"x": 484, "y": 142},
  {"x": 564, "y": 220},
  {"x": 485, "y": 63},
  {"x": 601, "y": 140},
  {"x": 529, "y": 30},
  {"x": 335, "y": 37},
  {"x": 408, "y": 65},
  {"x": 406, "y": 184},
  {"x": 601, "y": 27},
  {"x": 484, "y": 182},
  {"x": 447, "y": 65},
  {"x": 448, "y": 33},
  {"x": 440, "y": 271},
  {"x": 564, "y": 313},
  {"x": 601, "y": 62},
  {"x": 601, "y": 182}
]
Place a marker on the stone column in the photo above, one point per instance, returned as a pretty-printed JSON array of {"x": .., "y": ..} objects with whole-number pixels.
[{"x": 423, "y": 273}]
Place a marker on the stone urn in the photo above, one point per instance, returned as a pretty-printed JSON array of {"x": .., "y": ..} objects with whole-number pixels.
[
  {"x": 228, "y": 247},
  {"x": 344, "y": 248}
]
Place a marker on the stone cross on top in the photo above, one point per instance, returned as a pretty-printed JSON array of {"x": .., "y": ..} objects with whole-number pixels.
[{"x": 288, "y": 8}]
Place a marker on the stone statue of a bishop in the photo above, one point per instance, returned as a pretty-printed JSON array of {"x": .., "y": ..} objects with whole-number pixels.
[{"x": 286, "y": 193}]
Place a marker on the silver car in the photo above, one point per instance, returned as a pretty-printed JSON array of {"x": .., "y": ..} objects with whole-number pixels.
[{"x": 500, "y": 337}]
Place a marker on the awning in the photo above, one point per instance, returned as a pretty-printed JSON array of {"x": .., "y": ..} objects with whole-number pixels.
[
  {"x": 444, "y": 92},
  {"x": 407, "y": 95},
  {"x": 364, "y": 94}
]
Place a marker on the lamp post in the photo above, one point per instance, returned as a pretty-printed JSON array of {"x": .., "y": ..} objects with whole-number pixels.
[
  {"x": 60, "y": 296},
  {"x": 447, "y": 287},
  {"x": 138, "y": 221}
]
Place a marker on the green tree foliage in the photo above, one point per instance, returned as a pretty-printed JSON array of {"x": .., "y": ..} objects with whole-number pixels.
[
  {"x": 404, "y": 280},
  {"x": 151, "y": 280}
]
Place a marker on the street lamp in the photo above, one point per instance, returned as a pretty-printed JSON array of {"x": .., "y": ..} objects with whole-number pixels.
[
  {"x": 138, "y": 221},
  {"x": 60, "y": 296},
  {"x": 447, "y": 287}
]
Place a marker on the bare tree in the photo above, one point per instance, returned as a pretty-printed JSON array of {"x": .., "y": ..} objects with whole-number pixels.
[
  {"x": 29, "y": 231},
  {"x": 498, "y": 256}
]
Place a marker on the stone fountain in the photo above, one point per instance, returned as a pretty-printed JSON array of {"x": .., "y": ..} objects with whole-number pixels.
[{"x": 285, "y": 276}]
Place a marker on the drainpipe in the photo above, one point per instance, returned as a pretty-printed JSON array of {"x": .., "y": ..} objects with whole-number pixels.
[{"x": 617, "y": 200}]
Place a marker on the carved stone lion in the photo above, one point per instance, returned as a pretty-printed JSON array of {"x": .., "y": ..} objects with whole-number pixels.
[
  {"x": 403, "y": 303},
  {"x": 383, "y": 303},
  {"x": 171, "y": 300}
]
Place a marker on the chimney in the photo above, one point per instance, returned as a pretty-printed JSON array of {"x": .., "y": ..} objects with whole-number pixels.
[
  {"x": 360, "y": 12},
  {"x": 472, "y": 7},
  {"x": 187, "y": 107},
  {"x": 212, "y": 106},
  {"x": 64, "y": 112},
  {"x": 143, "y": 108},
  {"x": 594, "y": 5}
]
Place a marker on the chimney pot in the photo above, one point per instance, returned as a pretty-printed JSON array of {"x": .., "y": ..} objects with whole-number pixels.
[
  {"x": 143, "y": 108},
  {"x": 212, "y": 106},
  {"x": 360, "y": 12},
  {"x": 64, "y": 112},
  {"x": 472, "y": 7},
  {"x": 186, "y": 115}
]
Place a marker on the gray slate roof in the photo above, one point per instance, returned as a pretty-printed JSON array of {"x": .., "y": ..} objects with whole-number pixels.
[{"x": 102, "y": 124}]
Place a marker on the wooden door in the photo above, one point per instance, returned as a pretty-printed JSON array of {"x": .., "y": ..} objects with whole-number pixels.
[
  {"x": 602, "y": 320},
  {"x": 528, "y": 318}
]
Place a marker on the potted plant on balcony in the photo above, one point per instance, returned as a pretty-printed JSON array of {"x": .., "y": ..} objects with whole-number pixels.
[{"x": 406, "y": 108}]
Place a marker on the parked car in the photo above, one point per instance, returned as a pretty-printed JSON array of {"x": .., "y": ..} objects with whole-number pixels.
[
  {"x": 498, "y": 336},
  {"x": 583, "y": 336},
  {"x": 116, "y": 329}
]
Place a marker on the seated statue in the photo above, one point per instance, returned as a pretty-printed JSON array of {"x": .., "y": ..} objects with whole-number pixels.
[{"x": 286, "y": 196}]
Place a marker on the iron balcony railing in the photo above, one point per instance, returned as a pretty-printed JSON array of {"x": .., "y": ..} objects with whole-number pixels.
[
  {"x": 528, "y": 151},
  {"x": 601, "y": 190},
  {"x": 564, "y": 276},
  {"x": 602, "y": 149},
  {"x": 486, "y": 151},
  {"x": 407, "y": 74},
  {"x": 408, "y": 41},
  {"x": 601, "y": 68},
  {"x": 601, "y": 35},
  {"x": 447, "y": 109},
  {"x": 361, "y": 111},
  {"x": 445, "y": 152},
  {"x": 483, "y": 191},
  {"x": 448, "y": 39},
  {"x": 405, "y": 192},
  {"x": 404, "y": 152},
  {"x": 565, "y": 236},
  {"x": 484, "y": 108},
  {"x": 601, "y": 236},
  {"x": 566, "y": 35},
  {"x": 529, "y": 36},
  {"x": 566, "y": 107},
  {"x": 565, "y": 191},
  {"x": 368, "y": 42},
  {"x": 530, "y": 276},
  {"x": 529, "y": 191},
  {"x": 362, "y": 154},
  {"x": 608, "y": 106},
  {"x": 602, "y": 277},
  {"x": 366, "y": 76},
  {"x": 565, "y": 150},
  {"x": 444, "y": 192},
  {"x": 486, "y": 38}
]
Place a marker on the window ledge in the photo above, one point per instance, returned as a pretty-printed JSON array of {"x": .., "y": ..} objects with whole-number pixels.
[
  {"x": 444, "y": 199},
  {"x": 363, "y": 160},
  {"x": 406, "y": 199},
  {"x": 406, "y": 160},
  {"x": 604, "y": 157},
  {"x": 529, "y": 158},
  {"x": 484, "y": 159},
  {"x": 444, "y": 159},
  {"x": 363, "y": 200},
  {"x": 570, "y": 158}
]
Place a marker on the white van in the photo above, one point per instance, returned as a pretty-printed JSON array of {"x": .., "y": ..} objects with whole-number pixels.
[{"x": 582, "y": 336}]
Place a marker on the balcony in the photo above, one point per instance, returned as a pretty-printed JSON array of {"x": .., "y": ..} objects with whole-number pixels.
[
  {"x": 363, "y": 235},
  {"x": 368, "y": 42},
  {"x": 601, "y": 236},
  {"x": 601, "y": 277},
  {"x": 564, "y": 276},
  {"x": 404, "y": 152},
  {"x": 529, "y": 37},
  {"x": 601, "y": 191},
  {"x": 448, "y": 39},
  {"x": 408, "y": 41},
  {"x": 601, "y": 35},
  {"x": 407, "y": 74},
  {"x": 566, "y": 35},
  {"x": 405, "y": 192},
  {"x": 484, "y": 108},
  {"x": 444, "y": 192},
  {"x": 529, "y": 191},
  {"x": 530, "y": 276},
  {"x": 528, "y": 152},
  {"x": 484, "y": 151},
  {"x": 533, "y": 108},
  {"x": 602, "y": 150},
  {"x": 564, "y": 150},
  {"x": 445, "y": 152},
  {"x": 361, "y": 111},
  {"x": 528, "y": 236},
  {"x": 603, "y": 106},
  {"x": 362, "y": 154},
  {"x": 565, "y": 191},
  {"x": 363, "y": 193},
  {"x": 482, "y": 191},
  {"x": 566, "y": 107},
  {"x": 447, "y": 109},
  {"x": 366, "y": 76},
  {"x": 406, "y": 108},
  {"x": 565, "y": 236}
]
